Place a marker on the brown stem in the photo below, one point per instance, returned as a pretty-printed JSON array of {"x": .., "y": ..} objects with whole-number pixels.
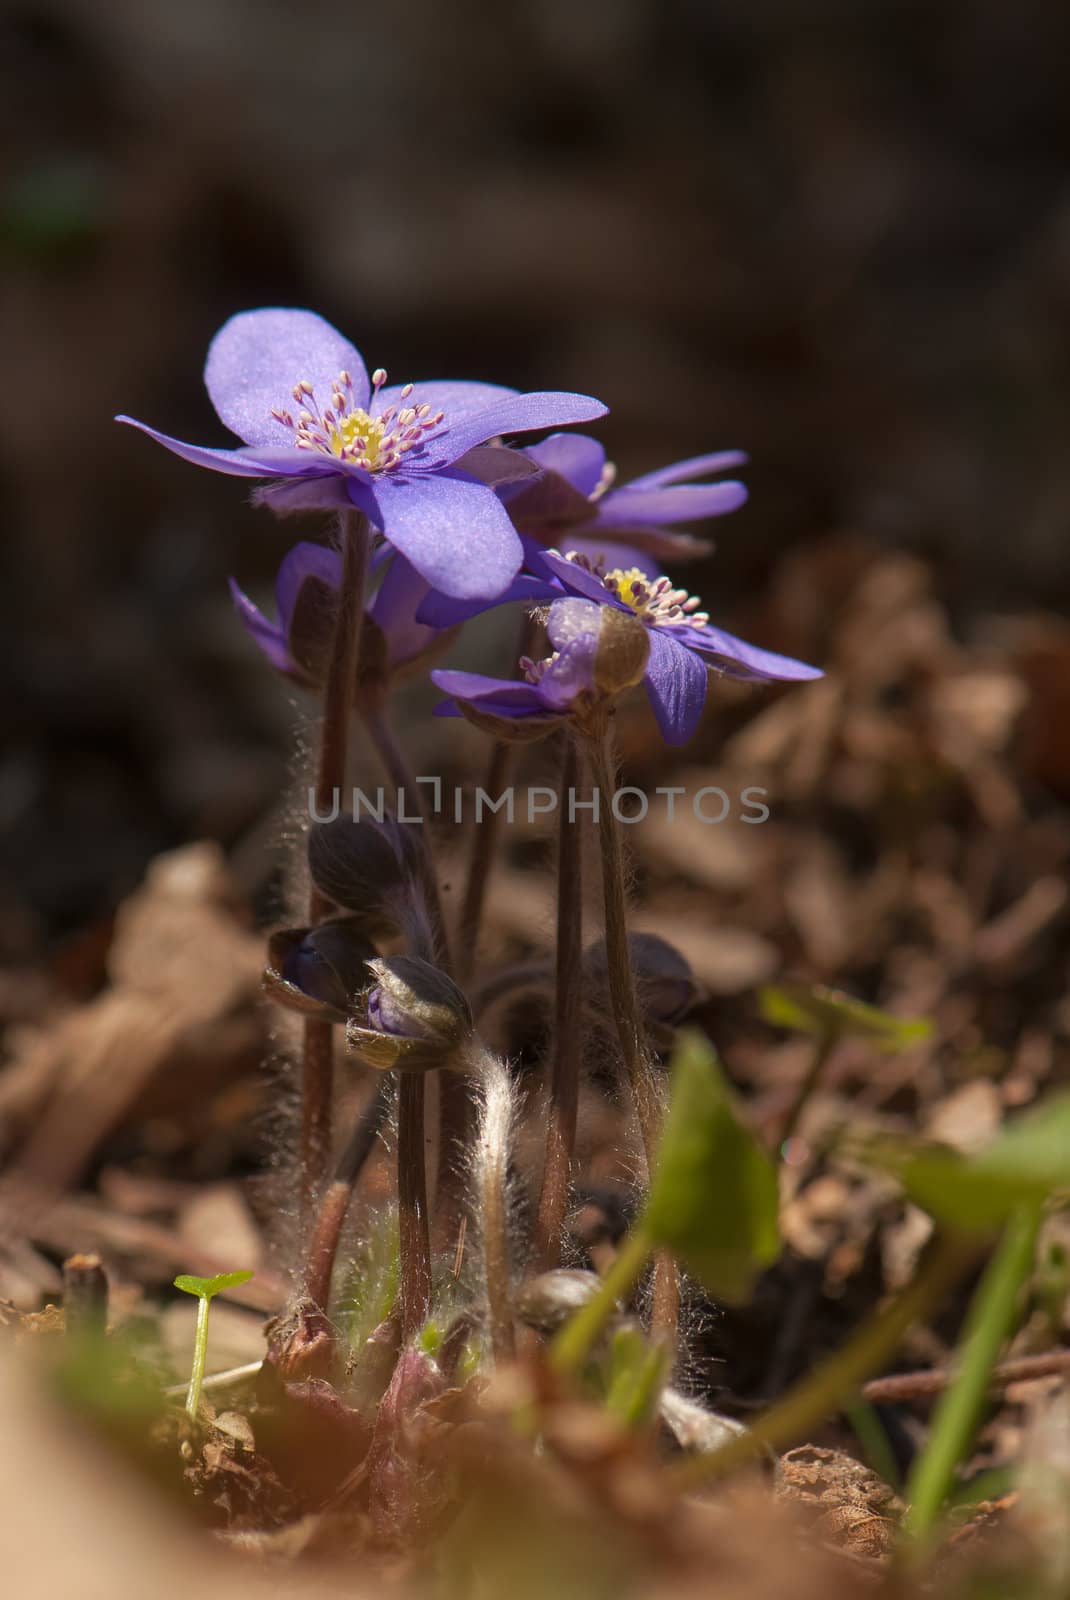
[
  {"x": 414, "y": 1241},
  {"x": 624, "y": 1002},
  {"x": 565, "y": 1070},
  {"x": 317, "y": 1069},
  {"x": 323, "y": 1247},
  {"x": 480, "y": 860},
  {"x": 85, "y": 1296},
  {"x": 456, "y": 1109}
]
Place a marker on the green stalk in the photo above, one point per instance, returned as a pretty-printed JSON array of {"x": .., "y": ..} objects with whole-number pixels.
[
  {"x": 990, "y": 1319},
  {"x": 575, "y": 1341},
  {"x": 200, "y": 1356}
]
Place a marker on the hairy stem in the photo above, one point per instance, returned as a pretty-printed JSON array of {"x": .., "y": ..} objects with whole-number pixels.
[
  {"x": 414, "y": 1240},
  {"x": 492, "y": 1175},
  {"x": 456, "y": 1108},
  {"x": 330, "y": 1219},
  {"x": 565, "y": 1070},
  {"x": 480, "y": 861},
  {"x": 317, "y": 1068},
  {"x": 624, "y": 1003}
]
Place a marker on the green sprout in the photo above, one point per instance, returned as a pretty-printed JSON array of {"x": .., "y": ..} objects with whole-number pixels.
[{"x": 205, "y": 1289}]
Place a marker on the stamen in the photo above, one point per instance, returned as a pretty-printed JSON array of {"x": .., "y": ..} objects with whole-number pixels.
[{"x": 353, "y": 435}]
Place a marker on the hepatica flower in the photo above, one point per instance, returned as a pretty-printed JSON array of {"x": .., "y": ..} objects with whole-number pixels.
[
  {"x": 298, "y": 642},
  {"x": 683, "y": 645},
  {"x": 574, "y": 503},
  {"x": 325, "y": 434}
]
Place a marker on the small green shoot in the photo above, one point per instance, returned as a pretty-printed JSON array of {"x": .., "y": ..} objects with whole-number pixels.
[
  {"x": 205, "y": 1289},
  {"x": 714, "y": 1199},
  {"x": 992, "y": 1314},
  {"x": 636, "y": 1374},
  {"x": 812, "y": 1008}
]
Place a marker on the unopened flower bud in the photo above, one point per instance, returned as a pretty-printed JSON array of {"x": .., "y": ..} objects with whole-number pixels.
[
  {"x": 545, "y": 1302},
  {"x": 357, "y": 865},
  {"x": 614, "y": 645},
  {"x": 318, "y": 972},
  {"x": 667, "y": 986},
  {"x": 414, "y": 1017}
]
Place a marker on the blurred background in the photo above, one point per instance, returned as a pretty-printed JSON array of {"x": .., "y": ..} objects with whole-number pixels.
[{"x": 835, "y": 236}]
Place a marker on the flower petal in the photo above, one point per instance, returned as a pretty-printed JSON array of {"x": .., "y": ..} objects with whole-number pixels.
[
  {"x": 610, "y": 554},
  {"x": 646, "y": 545},
  {"x": 457, "y": 399},
  {"x": 256, "y": 358},
  {"x": 742, "y": 660},
  {"x": 520, "y": 413},
  {"x": 676, "y": 686},
  {"x": 236, "y": 463},
  {"x": 439, "y": 611},
  {"x": 305, "y": 560},
  {"x": 574, "y": 456},
  {"x": 268, "y": 635},
  {"x": 454, "y": 530},
  {"x": 693, "y": 467},
  {"x": 513, "y": 694},
  {"x": 574, "y": 578},
  {"x": 286, "y": 496},
  {"x": 687, "y": 503},
  {"x": 393, "y": 607},
  {"x": 499, "y": 466}
]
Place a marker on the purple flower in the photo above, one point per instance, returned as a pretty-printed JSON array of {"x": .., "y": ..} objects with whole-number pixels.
[
  {"x": 306, "y": 590},
  {"x": 572, "y": 503},
  {"x": 299, "y": 396},
  {"x": 683, "y": 644}
]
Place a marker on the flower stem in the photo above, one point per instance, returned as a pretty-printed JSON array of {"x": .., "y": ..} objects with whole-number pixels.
[
  {"x": 200, "y": 1356},
  {"x": 565, "y": 1070},
  {"x": 832, "y": 1383},
  {"x": 624, "y": 1002},
  {"x": 317, "y": 1070},
  {"x": 988, "y": 1322},
  {"x": 414, "y": 1244},
  {"x": 492, "y": 1175},
  {"x": 330, "y": 1219},
  {"x": 480, "y": 861},
  {"x": 414, "y": 1238},
  {"x": 575, "y": 1341}
]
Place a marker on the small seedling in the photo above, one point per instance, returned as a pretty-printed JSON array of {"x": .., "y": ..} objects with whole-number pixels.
[{"x": 205, "y": 1289}]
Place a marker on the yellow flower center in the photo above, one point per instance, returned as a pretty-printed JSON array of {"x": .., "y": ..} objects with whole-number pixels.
[{"x": 340, "y": 428}]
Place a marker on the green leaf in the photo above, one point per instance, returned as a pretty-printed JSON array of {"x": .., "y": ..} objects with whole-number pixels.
[
  {"x": 713, "y": 1199},
  {"x": 636, "y": 1374},
  {"x": 207, "y": 1288},
  {"x": 811, "y": 1008},
  {"x": 1024, "y": 1165}
]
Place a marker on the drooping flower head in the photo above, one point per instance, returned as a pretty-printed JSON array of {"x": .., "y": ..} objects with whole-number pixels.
[
  {"x": 326, "y": 434},
  {"x": 575, "y": 504},
  {"x": 682, "y": 643},
  {"x": 298, "y": 642}
]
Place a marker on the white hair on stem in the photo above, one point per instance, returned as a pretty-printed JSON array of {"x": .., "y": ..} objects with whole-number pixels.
[{"x": 490, "y": 1169}]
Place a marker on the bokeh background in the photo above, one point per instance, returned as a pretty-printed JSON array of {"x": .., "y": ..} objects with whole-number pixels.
[{"x": 835, "y": 235}]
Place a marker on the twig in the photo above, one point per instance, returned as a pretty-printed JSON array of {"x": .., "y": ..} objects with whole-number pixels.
[{"x": 903, "y": 1387}]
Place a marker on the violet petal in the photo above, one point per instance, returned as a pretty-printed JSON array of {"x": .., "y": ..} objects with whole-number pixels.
[
  {"x": 684, "y": 503},
  {"x": 693, "y": 467},
  {"x": 676, "y": 685},
  {"x": 574, "y": 456},
  {"x": 521, "y": 413},
  {"x": 256, "y": 358},
  {"x": 454, "y": 530}
]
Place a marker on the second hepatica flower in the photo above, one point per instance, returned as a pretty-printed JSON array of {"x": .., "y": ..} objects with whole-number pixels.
[
  {"x": 326, "y": 434},
  {"x": 298, "y": 642},
  {"x": 683, "y": 645},
  {"x": 575, "y": 504}
]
